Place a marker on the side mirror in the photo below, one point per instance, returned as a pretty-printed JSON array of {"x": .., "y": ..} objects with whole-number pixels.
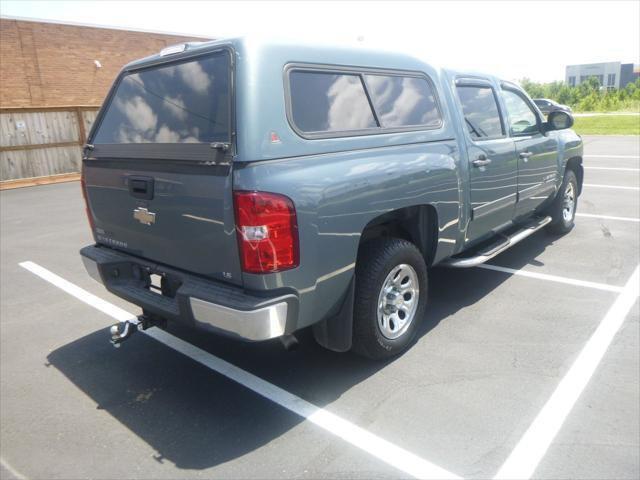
[{"x": 559, "y": 120}]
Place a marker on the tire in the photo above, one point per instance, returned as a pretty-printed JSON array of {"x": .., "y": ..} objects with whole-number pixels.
[
  {"x": 373, "y": 328},
  {"x": 562, "y": 213}
]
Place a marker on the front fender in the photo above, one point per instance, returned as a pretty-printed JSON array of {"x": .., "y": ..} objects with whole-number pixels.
[{"x": 570, "y": 146}]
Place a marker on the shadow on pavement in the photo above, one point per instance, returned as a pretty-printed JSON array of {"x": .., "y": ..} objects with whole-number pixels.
[{"x": 197, "y": 419}]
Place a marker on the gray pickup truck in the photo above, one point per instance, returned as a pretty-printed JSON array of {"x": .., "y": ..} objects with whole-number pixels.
[{"x": 254, "y": 189}]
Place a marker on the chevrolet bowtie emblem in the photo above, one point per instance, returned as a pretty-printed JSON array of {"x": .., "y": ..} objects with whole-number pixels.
[{"x": 144, "y": 216}]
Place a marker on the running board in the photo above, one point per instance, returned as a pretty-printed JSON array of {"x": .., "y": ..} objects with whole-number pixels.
[{"x": 504, "y": 243}]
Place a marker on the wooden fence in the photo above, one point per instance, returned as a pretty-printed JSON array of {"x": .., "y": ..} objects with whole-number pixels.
[{"x": 42, "y": 142}]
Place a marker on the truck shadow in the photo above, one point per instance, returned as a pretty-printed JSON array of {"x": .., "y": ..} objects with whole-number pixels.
[{"x": 197, "y": 419}]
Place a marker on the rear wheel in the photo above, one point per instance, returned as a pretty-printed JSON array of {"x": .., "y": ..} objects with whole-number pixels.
[
  {"x": 391, "y": 296},
  {"x": 563, "y": 208}
]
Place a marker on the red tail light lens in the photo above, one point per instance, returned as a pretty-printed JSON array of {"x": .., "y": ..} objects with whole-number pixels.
[
  {"x": 267, "y": 230},
  {"x": 86, "y": 199}
]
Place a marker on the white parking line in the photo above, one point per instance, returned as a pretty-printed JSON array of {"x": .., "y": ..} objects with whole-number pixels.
[
  {"x": 552, "y": 278},
  {"x": 593, "y": 185},
  {"x": 12, "y": 470},
  {"x": 611, "y": 156},
  {"x": 385, "y": 451},
  {"x": 525, "y": 458},
  {"x": 608, "y": 217},
  {"x": 80, "y": 293},
  {"x": 621, "y": 169}
]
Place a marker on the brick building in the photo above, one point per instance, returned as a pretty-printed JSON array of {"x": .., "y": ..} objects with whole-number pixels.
[{"x": 53, "y": 64}]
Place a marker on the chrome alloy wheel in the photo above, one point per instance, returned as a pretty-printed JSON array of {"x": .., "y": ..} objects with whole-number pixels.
[
  {"x": 568, "y": 202},
  {"x": 398, "y": 301}
]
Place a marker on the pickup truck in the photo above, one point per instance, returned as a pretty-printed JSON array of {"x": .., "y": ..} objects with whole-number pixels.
[{"x": 254, "y": 189}]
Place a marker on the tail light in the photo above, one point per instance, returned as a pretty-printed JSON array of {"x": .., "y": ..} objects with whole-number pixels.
[
  {"x": 83, "y": 185},
  {"x": 267, "y": 232}
]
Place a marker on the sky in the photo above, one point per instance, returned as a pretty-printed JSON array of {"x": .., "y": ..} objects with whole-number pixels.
[{"x": 511, "y": 39}]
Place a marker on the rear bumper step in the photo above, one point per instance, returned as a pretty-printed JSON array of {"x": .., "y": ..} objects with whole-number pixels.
[
  {"x": 190, "y": 299},
  {"x": 504, "y": 242}
]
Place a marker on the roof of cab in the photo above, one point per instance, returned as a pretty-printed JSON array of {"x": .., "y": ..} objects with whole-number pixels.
[{"x": 353, "y": 55}]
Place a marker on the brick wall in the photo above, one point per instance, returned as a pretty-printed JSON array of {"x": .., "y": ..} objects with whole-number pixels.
[{"x": 49, "y": 64}]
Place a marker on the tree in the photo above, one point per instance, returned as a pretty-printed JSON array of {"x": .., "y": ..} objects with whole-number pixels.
[{"x": 588, "y": 96}]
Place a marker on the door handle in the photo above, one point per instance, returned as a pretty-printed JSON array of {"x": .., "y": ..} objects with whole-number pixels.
[
  {"x": 141, "y": 187},
  {"x": 525, "y": 155},
  {"x": 481, "y": 161}
]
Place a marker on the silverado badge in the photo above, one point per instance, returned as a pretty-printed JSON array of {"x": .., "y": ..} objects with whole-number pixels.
[{"x": 144, "y": 216}]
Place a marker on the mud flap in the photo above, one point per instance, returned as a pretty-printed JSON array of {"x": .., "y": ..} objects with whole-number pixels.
[{"x": 335, "y": 333}]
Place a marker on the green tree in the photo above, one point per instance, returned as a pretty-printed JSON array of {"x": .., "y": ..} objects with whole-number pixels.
[
  {"x": 564, "y": 95},
  {"x": 588, "y": 96}
]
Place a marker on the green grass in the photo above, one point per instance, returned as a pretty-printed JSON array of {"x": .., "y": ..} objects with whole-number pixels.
[{"x": 608, "y": 125}]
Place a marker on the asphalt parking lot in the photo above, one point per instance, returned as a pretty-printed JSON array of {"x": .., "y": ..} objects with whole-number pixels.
[{"x": 492, "y": 386}]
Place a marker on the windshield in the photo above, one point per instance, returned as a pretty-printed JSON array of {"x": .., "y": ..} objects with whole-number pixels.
[{"x": 185, "y": 102}]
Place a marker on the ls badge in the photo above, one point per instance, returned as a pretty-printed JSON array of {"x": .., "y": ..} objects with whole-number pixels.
[{"x": 144, "y": 216}]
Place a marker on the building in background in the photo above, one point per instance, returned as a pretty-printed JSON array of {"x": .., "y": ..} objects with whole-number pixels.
[
  {"x": 611, "y": 75},
  {"x": 53, "y": 78},
  {"x": 53, "y": 64}
]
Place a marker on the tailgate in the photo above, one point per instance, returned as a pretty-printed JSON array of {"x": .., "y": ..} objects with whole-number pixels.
[
  {"x": 157, "y": 169},
  {"x": 186, "y": 223}
]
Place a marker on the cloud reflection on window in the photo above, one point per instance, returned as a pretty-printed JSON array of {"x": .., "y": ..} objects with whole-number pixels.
[
  {"x": 348, "y": 105},
  {"x": 192, "y": 74},
  {"x": 323, "y": 102},
  {"x": 333, "y": 102},
  {"x": 176, "y": 107},
  {"x": 480, "y": 111},
  {"x": 184, "y": 103},
  {"x": 403, "y": 101}
]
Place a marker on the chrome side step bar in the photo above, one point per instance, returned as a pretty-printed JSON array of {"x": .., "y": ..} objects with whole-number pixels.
[{"x": 492, "y": 250}]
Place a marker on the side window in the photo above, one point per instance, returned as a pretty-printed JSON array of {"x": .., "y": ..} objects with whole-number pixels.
[
  {"x": 480, "y": 111},
  {"x": 402, "y": 101},
  {"x": 329, "y": 102},
  {"x": 522, "y": 119}
]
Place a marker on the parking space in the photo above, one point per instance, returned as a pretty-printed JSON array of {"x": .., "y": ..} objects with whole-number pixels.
[
  {"x": 611, "y": 146},
  {"x": 493, "y": 351},
  {"x": 595, "y": 429},
  {"x": 614, "y": 179},
  {"x": 600, "y": 201}
]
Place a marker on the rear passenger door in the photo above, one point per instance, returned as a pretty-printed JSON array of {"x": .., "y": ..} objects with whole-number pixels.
[
  {"x": 492, "y": 158},
  {"x": 537, "y": 152}
]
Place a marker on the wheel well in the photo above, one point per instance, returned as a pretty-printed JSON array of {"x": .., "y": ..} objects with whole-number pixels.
[
  {"x": 418, "y": 225},
  {"x": 575, "y": 164}
]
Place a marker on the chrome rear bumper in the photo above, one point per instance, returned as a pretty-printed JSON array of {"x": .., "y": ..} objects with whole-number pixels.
[
  {"x": 209, "y": 304},
  {"x": 259, "y": 324}
]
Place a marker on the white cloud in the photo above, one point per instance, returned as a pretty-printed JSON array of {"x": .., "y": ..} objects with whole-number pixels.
[
  {"x": 166, "y": 135},
  {"x": 136, "y": 80},
  {"x": 194, "y": 76},
  {"x": 343, "y": 94},
  {"x": 139, "y": 114},
  {"x": 176, "y": 107}
]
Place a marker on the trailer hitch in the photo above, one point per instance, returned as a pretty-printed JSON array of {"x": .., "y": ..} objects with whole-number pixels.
[{"x": 121, "y": 331}]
